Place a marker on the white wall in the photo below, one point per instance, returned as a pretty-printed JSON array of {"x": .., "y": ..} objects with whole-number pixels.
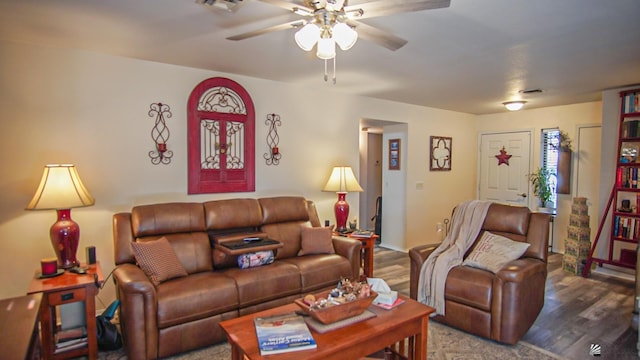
[
  {"x": 567, "y": 118},
  {"x": 68, "y": 106}
]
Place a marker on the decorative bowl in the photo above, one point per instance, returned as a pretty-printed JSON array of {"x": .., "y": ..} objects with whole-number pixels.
[{"x": 339, "y": 312}]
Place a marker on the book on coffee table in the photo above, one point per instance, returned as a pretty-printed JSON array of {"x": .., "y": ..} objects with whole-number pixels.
[{"x": 283, "y": 333}]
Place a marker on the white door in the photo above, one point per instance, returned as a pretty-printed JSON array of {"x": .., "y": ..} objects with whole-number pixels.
[{"x": 504, "y": 167}]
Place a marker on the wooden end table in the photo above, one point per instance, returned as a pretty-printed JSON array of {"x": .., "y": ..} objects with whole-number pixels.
[
  {"x": 368, "y": 244},
  {"x": 409, "y": 320},
  {"x": 65, "y": 289}
]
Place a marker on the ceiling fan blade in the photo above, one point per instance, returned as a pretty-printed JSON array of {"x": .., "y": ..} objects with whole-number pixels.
[
  {"x": 378, "y": 36},
  {"x": 288, "y": 6},
  {"x": 389, "y": 7},
  {"x": 285, "y": 26}
]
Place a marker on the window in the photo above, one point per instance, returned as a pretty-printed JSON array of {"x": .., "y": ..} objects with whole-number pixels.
[{"x": 549, "y": 158}]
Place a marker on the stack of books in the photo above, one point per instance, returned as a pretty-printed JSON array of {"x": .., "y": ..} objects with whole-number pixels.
[
  {"x": 283, "y": 333},
  {"x": 70, "y": 339},
  {"x": 361, "y": 234}
]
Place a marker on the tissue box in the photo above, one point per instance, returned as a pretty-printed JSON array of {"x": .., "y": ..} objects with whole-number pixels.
[{"x": 386, "y": 297}]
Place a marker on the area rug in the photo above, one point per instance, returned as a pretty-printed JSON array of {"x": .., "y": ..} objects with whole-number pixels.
[{"x": 444, "y": 343}]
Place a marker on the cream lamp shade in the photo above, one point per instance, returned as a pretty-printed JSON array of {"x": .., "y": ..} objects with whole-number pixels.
[
  {"x": 342, "y": 180},
  {"x": 60, "y": 188}
]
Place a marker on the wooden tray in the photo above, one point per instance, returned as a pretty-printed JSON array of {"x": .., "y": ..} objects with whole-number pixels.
[{"x": 335, "y": 313}]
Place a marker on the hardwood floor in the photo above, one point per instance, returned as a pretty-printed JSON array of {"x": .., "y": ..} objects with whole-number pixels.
[{"x": 577, "y": 313}]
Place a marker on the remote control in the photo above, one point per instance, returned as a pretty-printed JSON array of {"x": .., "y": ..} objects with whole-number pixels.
[{"x": 251, "y": 239}]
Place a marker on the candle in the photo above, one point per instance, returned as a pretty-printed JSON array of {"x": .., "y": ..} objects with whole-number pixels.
[{"x": 49, "y": 266}]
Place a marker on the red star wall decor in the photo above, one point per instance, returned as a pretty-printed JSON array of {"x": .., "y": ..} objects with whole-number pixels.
[{"x": 503, "y": 158}]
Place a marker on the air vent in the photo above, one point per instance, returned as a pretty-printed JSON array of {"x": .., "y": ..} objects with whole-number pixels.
[
  {"x": 530, "y": 91},
  {"x": 227, "y": 5}
]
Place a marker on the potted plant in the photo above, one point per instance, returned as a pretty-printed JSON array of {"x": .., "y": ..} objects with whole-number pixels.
[
  {"x": 541, "y": 185},
  {"x": 565, "y": 142}
]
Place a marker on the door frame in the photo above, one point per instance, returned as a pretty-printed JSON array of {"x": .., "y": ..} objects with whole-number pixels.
[{"x": 532, "y": 157}]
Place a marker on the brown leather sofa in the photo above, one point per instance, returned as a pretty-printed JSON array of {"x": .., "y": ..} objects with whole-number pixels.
[
  {"x": 500, "y": 306},
  {"x": 183, "y": 314}
]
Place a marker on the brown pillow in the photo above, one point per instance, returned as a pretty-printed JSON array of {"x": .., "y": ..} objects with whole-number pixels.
[
  {"x": 316, "y": 240},
  {"x": 158, "y": 260}
]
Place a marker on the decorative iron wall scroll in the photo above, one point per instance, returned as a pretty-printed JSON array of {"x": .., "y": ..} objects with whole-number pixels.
[
  {"x": 274, "y": 155},
  {"x": 160, "y": 134}
]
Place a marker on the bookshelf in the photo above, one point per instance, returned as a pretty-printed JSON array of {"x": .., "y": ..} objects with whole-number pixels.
[{"x": 624, "y": 201}]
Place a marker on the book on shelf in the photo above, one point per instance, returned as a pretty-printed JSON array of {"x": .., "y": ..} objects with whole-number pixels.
[{"x": 283, "y": 333}]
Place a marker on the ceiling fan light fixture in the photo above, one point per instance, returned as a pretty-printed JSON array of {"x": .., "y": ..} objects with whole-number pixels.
[
  {"x": 514, "y": 105},
  {"x": 326, "y": 48},
  {"x": 344, "y": 35},
  {"x": 307, "y": 37}
]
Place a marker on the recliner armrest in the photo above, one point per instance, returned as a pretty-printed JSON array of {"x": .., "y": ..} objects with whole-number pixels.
[
  {"x": 138, "y": 311},
  {"x": 521, "y": 269},
  {"x": 417, "y": 256},
  {"x": 350, "y": 249}
]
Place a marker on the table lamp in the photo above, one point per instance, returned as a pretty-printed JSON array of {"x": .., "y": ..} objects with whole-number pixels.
[
  {"x": 342, "y": 181},
  {"x": 61, "y": 189}
]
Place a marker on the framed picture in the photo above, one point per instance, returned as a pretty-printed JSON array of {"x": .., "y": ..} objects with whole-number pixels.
[
  {"x": 394, "y": 154},
  {"x": 440, "y": 153}
]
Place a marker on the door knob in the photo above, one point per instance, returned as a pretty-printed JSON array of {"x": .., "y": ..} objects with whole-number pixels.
[{"x": 523, "y": 195}]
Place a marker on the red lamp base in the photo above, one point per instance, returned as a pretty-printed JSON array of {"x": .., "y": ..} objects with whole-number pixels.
[
  {"x": 341, "y": 209},
  {"x": 65, "y": 236}
]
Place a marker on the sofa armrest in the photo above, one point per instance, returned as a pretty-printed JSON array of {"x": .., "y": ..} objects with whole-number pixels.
[
  {"x": 518, "y": 297},
  {"x": 138, "y": 311},
  {"x": 350, "y": 249},
  {"x": 417, "y": 256}
]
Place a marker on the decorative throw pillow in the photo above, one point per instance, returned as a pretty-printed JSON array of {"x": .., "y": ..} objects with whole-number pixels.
[
  {"x": 255, "y": 259},
  {"x": 158, "y": 260},
  {"x": 316, "y": 240},
  {"x": 493, "y": 252}
]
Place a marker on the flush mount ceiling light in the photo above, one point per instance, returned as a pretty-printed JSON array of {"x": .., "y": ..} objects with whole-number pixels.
[
  {"x": 514, "y": 105},
  {"x": 330, "y": 22}
]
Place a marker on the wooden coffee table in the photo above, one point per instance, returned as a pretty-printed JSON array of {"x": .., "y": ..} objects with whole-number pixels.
[{"x": 409, "y": 320}]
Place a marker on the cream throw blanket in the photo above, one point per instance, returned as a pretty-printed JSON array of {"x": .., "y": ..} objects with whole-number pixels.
[{"x": 467, "y": 221}]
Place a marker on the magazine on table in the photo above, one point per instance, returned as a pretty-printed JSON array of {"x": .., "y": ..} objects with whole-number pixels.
[{"x": 283, "y": 333}]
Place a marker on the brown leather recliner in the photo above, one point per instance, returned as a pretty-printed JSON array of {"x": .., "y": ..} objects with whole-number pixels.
[{"x": 501, "y": 306}]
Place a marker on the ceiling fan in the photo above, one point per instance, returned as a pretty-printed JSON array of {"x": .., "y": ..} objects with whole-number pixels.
[{"x": 326, "y": 23}]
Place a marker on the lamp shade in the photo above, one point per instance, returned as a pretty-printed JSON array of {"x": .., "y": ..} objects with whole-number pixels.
[
  {"x": 307, "y": 37},
  {"x": 342, "y": 180},
  {"x": 60, "y": 188},
  {"x": 344, "y": 36}
]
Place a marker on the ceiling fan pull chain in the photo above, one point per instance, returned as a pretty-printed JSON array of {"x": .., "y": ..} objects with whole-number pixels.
[
  {"x": 334, "y": 70},
  {"x": 326, "y": 76}
]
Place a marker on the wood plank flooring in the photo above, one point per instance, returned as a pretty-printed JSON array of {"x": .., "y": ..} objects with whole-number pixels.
[{"x": 577, "y": 313}]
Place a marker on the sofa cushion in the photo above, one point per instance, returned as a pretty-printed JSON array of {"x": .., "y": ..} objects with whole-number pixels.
[
  {"x": 158, "y": 260},
  {"x": 470, "y": 286},
  {"x": 169, "y": 218},
  {"x": 493, "y": 252},
  {"x": 224, "y": 215},
  {"x": 261, "y": 284},
  {"x": 320, "y": 271},
  {"x": 316, "y": 240},
  {"x": 195, "y": 297},
  {"x": 284, "y": 209}
]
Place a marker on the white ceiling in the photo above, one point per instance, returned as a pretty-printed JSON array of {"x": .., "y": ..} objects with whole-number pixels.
[{"x": 469, "y": 57}]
